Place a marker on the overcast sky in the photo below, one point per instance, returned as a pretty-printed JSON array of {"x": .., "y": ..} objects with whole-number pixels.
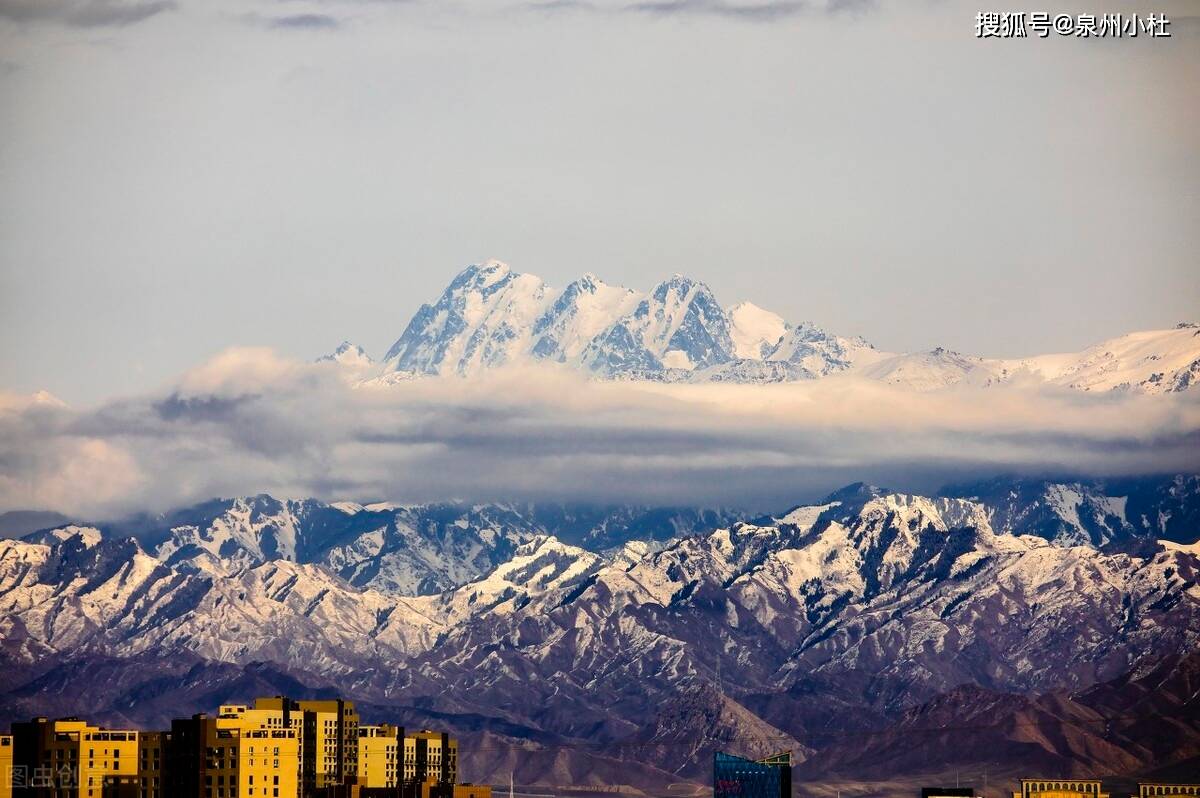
[{"x": 179, "y": 177}]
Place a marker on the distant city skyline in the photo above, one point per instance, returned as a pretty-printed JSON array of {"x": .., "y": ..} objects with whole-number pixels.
[{"x": 179, "y": 178}]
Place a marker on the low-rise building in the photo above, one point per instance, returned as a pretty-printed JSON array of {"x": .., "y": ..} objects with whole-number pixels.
[
  {"x": 431, "y": 788},
  {"x": 1060, "y": 788},
  {"x": 736, "y": 777},
  {"x": 1159, "y": 790}
]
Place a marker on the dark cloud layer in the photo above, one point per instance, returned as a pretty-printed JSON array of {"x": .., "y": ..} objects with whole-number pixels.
[
  {"x": 304, "y": 22},
  {"x": 250, "y": 422},
  {"x": 84, "y": 13},
  {"x": 748, "y": 10},
  {"x": 764, "y": 11}
]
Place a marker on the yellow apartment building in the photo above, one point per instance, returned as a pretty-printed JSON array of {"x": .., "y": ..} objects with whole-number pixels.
[
  {"x": 152, "y": 756},
  {"x": 6, "y": 766},
  {"x": 1157, "y": 790},
  {"x": 329, "y": 741},
  {"x": 77, "y": 760},
  {"x": 242, "y": 716},
  {"x": 249, "y": 762},
  {"x": 379, "y": 755},
  {"x": 1060, "y": 788},
  {"x": 430, "y": 755}
]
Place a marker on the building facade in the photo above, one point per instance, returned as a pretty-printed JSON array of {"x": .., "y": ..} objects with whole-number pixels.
[
  {"x": 224, "y": 758},
  {"x": 1060, "y": 788},
  {"x": 69, "y": 758},
  {"x": 245, "y": 718},
  {"x": 6, "y": 765},
  {"x": 151, "y": 768},
  {"x": 430, "y": 756},
  {"x": 329, "y": 739},
  {"x": 379, "y": 750},
  {"x": 276, "y": 748},
  {"x": 1157, "y": 790},
  {"x": 736, "y": 777}
]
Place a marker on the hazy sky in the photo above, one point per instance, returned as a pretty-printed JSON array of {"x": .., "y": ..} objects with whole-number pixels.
[{"x": 179, "y": 177}]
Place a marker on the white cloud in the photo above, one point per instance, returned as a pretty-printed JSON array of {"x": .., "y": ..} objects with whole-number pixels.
[{"x": 250, "y": 421}]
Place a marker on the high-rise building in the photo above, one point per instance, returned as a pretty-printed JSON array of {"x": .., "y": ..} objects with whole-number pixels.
[
  {"x": 1158, "y": 790},
  {"x": 430, "y": 756},
  {"x": 735, "y": 777},
  {"x": 1060, "y": 788},
  {"x": 152, "y": 757},
  {"x": 379, "y": 755},
  {"x": 242, "y": 716},
  {"x": 329, "y": 741},
  {"x": 68, "y": 758},
  {"x": 278, "y": 748},
  {"x": 6, "y": 766},
  {"x": 226, "y": 758}
]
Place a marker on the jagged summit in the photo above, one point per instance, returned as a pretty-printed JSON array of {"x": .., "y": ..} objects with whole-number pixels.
[
  {"x": 490, "y": 315},
  {"x": 348, "y": 354}
]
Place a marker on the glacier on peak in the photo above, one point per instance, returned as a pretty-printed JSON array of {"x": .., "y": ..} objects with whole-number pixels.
[{"x": 490, "y": 315}]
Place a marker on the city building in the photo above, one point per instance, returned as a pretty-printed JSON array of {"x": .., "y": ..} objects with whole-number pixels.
[
  {"x": 947, "y": 792},
  {"x": 1060, "y": 788},
  {"x": 430, "y": 756},
  {"x": 224, "y": 758},
  {"x": 6, "y": 766},
  {"x": 379, "y": 755},
  {"x": 431, "y": 788},
  {"x": 277, "y": 748},
  {"x": 735, "y": 777},
  {"x": 1156, "y": 790},
  {"x": 329, "y": 742},
  {"x": 68, "y": 758},
  {"x": 151, "y": 767},
  {"x": 246, "y": 718}
]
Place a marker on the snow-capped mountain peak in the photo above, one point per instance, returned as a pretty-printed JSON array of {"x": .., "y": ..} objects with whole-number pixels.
[
  {"x": 348, "y": 354},
  {"x": 755, "y": 332},
  {"x": 491, "y": 315}
]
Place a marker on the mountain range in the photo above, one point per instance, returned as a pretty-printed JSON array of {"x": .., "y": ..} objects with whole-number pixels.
[
  {"x": 1016, "y": 621},
  {"x": 492, "y": 316},
  {"x": 601, "y": 645}
]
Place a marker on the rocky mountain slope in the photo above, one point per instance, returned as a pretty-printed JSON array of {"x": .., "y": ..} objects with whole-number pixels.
[
  {"x": 832, "y": 618},
  {"x": 491, "y": 316},
  {"x": 1102, "y": 513},
  {"x": 399, "y": 549},
  {"x": 1143, "y": 721},
  {"x": 882, "y": 600}
]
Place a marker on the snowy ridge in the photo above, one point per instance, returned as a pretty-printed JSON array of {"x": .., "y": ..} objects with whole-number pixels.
[
  {"x": 491, "y": 316},
  {"x": 1098, "y": 513},
  {"x": 923, "y": 593}
]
